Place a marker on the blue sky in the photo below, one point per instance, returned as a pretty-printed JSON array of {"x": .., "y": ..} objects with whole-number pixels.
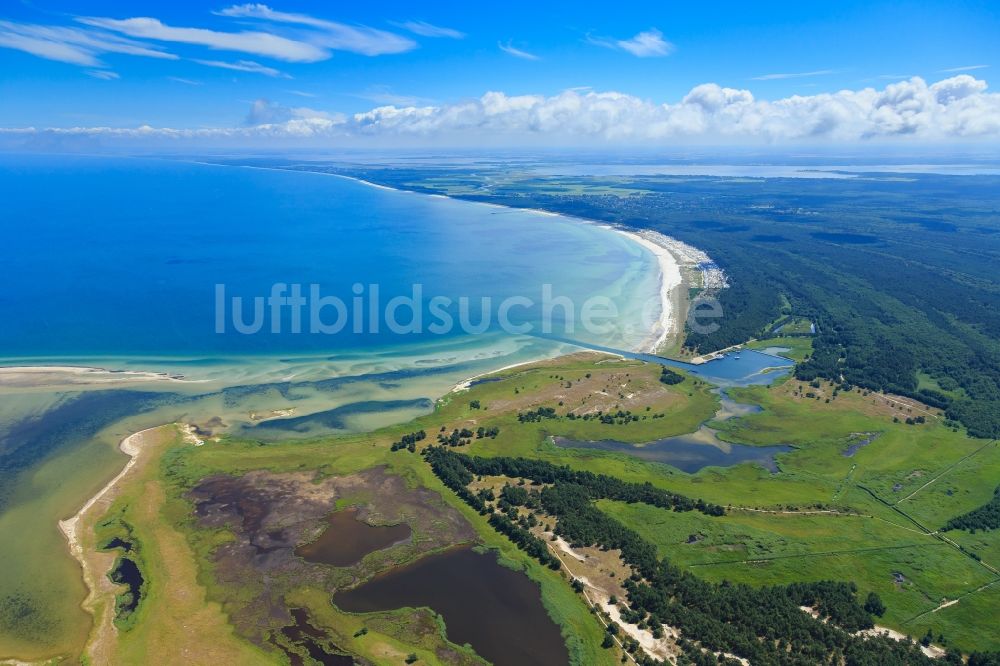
[{"x": 66, "y": 64}]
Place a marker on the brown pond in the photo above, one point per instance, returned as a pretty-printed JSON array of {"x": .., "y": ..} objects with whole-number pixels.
[
  {"x": 346, "y": 540},
  {"x": 496, "y": 610}
]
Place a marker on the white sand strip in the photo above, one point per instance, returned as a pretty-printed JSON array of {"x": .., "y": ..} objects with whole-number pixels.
[
  {"x": 43, "y": 376},
  {"x": 132, "y": 447},
  {"x": 670, "y": 279}
]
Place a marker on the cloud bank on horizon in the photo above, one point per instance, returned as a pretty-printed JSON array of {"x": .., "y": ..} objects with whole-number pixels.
[
  {"x": 256, "y": 42},
  {"x": 958, "y": 107}
]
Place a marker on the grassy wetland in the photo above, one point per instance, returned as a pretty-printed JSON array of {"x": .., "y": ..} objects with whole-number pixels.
[{"x": 216, "y": 530}]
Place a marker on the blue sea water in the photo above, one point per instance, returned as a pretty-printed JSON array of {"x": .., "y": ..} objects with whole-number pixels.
[{"x": 119, "y": 256}]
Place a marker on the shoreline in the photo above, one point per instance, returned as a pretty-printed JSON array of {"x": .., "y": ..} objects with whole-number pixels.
[
  {"x": 670, "y": 281},
  {"x": 674, "y": 261},
  {"x": 668, "y": 260},
  {"x": 98, "y": 584},
  {"x": 130, "y": 446},
  {"x": 466, "y": 384},
  {"x": 671, "y": 255},
  {"x": 80, "y": 376}
]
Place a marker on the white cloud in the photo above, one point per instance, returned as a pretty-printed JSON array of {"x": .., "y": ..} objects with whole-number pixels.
[
  {"x": 103, "y": 74},
  {"x": 957, "y": 88},
  {"x": 49, "y": 50},
  {"x": 796, "y": 75},
  {"x": 271, "y": 117},
  {"x": 258, "y": 43},
  {"x": 425, "y": 29},
  {"x": 302, "y": 93},
  {"x": 75, "y": 46},
  {"x": 245, "y": 66},
  {"x": 953, "y": 109},
  {"x": 381, "y": 94},
  {"x": 967, "y": 68},
  {"x": 187, "y": 82},
  {"x": 647, "y": 44},
  {"x": 329, "y": 34},
  {"x": 517, "y": 53}
]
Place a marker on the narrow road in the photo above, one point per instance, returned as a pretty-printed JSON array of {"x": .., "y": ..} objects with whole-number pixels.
[
  {"x": 948, "y": 469},
  {"x": 825, "y": 553}
]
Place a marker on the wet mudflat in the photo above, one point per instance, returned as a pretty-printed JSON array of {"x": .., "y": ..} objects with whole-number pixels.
[
  {"x": 346, "y": 539},
  {"x": 688, "y": 453},
  {"x": 496, "y": 610},
  {"x": 692, "y": 452},
  {"x": 271, "y": 516}
]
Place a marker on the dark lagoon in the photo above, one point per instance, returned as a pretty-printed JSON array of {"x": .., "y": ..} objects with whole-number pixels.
[
  {"x": 494, "y": 609},
  {"x": 315, "y": 641},
  {"x": 346, "y": 539}
]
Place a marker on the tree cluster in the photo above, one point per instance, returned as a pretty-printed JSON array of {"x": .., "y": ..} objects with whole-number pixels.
[
  {"x": 669, "y": 377},
  {"x": 409, "y": 441},
  {"x": 536, "y": 415}
]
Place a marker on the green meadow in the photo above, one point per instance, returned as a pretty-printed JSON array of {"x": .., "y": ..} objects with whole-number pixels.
[{"x": 869, "y": 517}]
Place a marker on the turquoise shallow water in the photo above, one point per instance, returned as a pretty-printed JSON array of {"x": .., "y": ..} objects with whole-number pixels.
[{"x": 119, "y": 263}]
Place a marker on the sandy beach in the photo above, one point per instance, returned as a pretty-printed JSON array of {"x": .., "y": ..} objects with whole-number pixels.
[
  {"x": 130, "y": 446},
  {"x": 467, "y": 383},
  {"x": 666, "y": 325},
  {"x": 95, "y": 563}
]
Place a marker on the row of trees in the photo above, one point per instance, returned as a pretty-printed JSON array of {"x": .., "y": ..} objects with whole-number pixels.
[
  {"x": 536, "y": 415},
  {"x": 456, "y": 437},
  {"x": 583, "y": 524},
  {"x": 598, "y": 486},
  {"x": 764, "y": 625},
  {"x": 409, "y": 441},
  {"x": 524, "y": 540}
]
